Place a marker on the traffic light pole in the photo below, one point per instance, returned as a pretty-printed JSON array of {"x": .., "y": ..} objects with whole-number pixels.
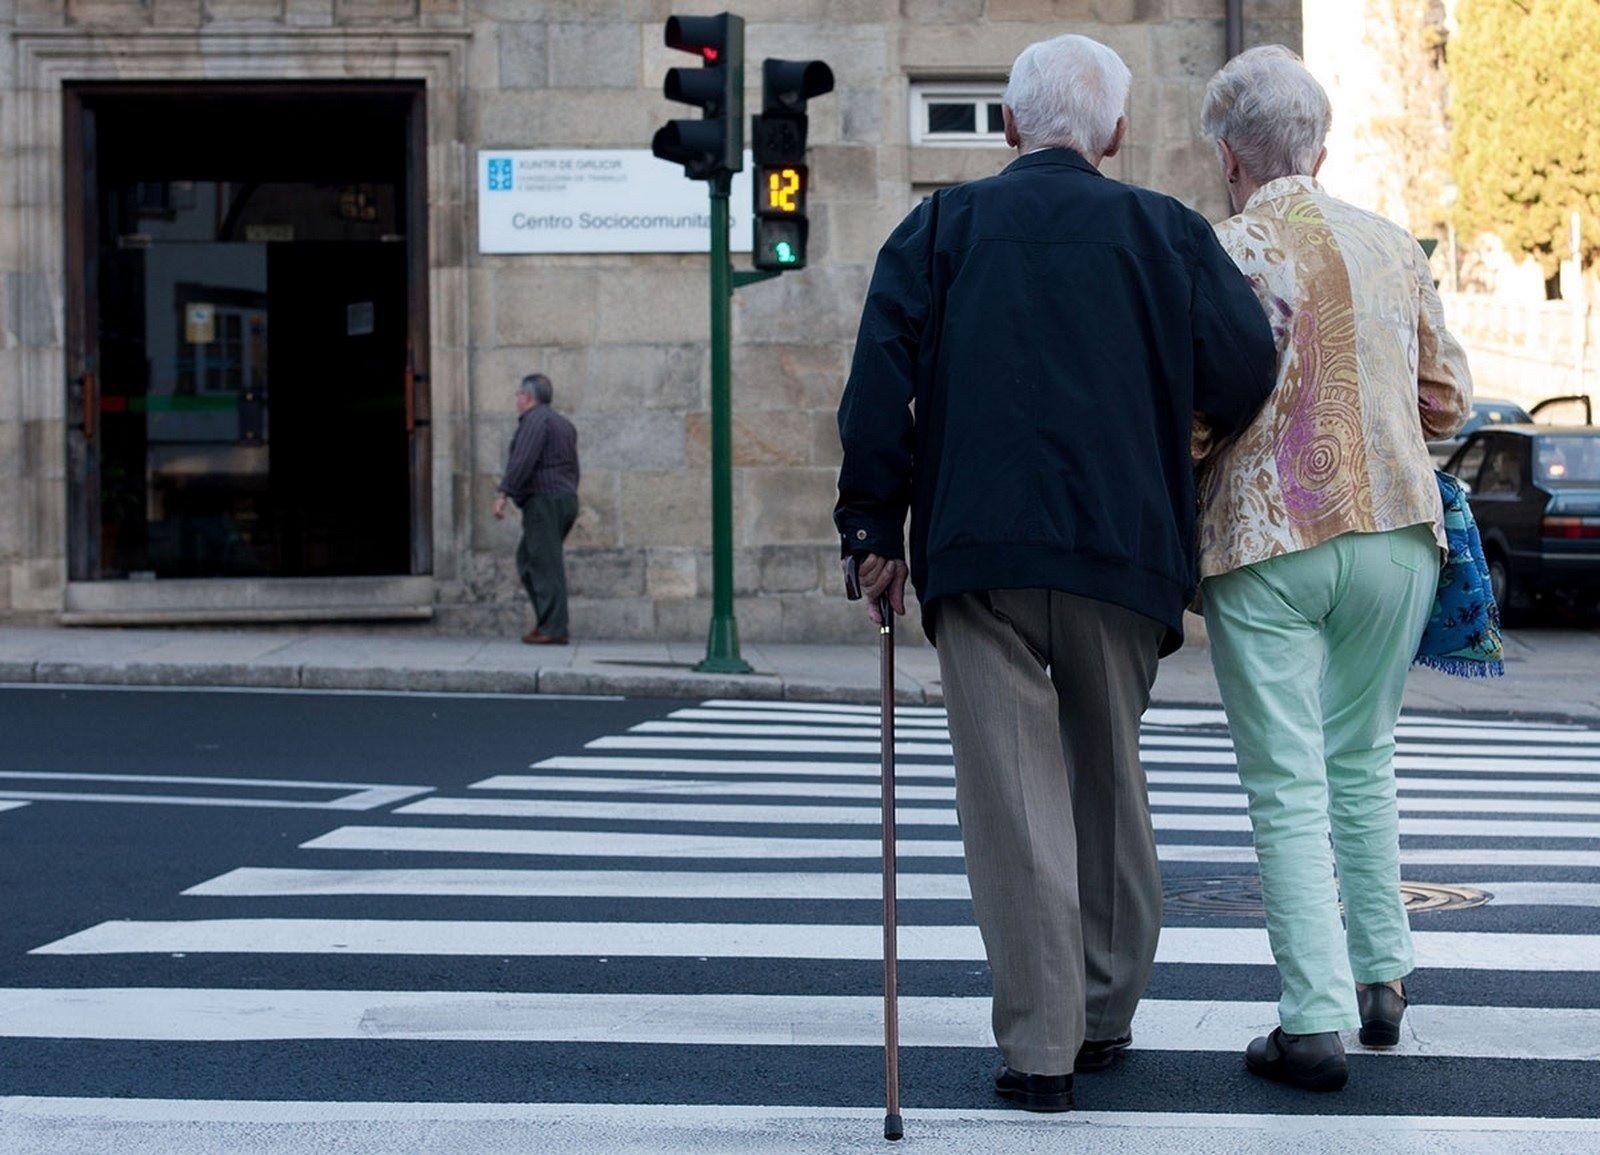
[{"x": 722, "y": 642}]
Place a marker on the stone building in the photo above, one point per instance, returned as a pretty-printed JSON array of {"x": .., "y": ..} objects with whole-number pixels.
[{"x": 254, "y": 365}]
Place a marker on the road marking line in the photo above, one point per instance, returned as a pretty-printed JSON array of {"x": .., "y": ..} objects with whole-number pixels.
[
  {"x": 791, "y": 717},
  {"x": 12, "y": 805},
  {"x": 1241, "y": 946},
  {"x": 740, "y": 766},
  {"x": 1476, "y": 733},
  {"x": 816, "y": 707},
  {"x": 177, "y": 779},
  {"x": 764, "y": 745},
  {"x": 932, "y": 772},
  {"x": 614, "y": 844},
  {"x": 179, "y": 1014},
  {"x": 1511, "y": 760},
  {"x": 699, "y": 810},
  {"x": 1541, "y": 893},
  {"x": 712, "y": 787},
  {"x": 610, "y": 844},
  {"x": 461, "y": 882},
  {"x": 1232, "y": 799},
  {"x": 774, "y": 730},
  {"x": 371, "y": 798},
  {"x": 1456, "y": 764},
  {"x": 258, "y": 882},
  {"x": 715, "y": 1127}
]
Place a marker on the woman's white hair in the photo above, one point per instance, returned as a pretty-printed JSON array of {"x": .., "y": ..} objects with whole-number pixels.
[
  {"x": 1068, "y": 92},
  {"x": 1270, "y": 110}
]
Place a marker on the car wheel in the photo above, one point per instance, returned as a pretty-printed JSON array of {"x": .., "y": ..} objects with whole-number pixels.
[
  {"x": 1499, "y": 580},
  {"x": 1506, "y": 594}
]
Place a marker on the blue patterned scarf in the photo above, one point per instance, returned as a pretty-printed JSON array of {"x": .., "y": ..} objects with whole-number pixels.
[{"x": 1463, "y": 634}]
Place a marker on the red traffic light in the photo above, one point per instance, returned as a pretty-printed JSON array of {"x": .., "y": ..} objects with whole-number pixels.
[{"x": 706, "y": 36}]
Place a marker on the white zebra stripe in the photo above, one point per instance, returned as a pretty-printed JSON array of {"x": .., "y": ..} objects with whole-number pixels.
[
  {"x": 684, "y": 781},
  {"x": 699, "y": 810},
  {"x": 803, "y": 791},
  {"x": 168, "y": 1014},
  {"x": 1238, "y": 946},
  {"x": 260, "y": 882},
  {"x": 612, "y": 844}
]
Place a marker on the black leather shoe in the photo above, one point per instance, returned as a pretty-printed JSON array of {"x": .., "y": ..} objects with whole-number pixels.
[
  {"x": 1035, "y": 1092},
  {"x": 1310, "y": 1062},
  {"x": 1381, "y": 1011},
  {"x": 1097, "y": 1055}
]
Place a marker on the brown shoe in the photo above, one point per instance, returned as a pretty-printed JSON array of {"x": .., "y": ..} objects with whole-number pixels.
[{"x": 534, "y": 638}]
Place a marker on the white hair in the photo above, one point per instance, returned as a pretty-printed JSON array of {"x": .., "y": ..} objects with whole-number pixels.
[
  {"x": 1068, "y": 92},
  {"x": 1271, "y": 111}
]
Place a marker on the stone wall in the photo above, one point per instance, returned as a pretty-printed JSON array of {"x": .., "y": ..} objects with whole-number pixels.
[
  {"x": 624, "y": 338},
  {"x": 1527, "y": 352}
]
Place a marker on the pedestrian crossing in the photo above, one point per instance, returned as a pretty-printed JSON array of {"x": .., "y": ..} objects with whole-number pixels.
[{"x": 690, "y": 906}]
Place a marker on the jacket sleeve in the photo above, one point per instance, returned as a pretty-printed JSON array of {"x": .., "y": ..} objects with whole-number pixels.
[
  {"x": 1235, "y": 358},
  {"x": 875, "y": 420},
  {"x": 1444, "y": 383}
]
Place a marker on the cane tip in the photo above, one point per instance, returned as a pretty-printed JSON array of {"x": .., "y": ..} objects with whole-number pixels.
[{"x": 893, "y": 1127}]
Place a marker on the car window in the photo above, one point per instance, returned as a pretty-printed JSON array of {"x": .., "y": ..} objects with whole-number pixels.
[
  {"x": 1502, "y": 468},
  {"x": 1568, "y": 460},
  {"x": 1494, "y": 413},
  {"x": 1469, "y": 461}
]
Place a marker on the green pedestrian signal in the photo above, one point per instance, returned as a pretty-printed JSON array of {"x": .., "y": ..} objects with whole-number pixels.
[{"x": 785, "y": 253}]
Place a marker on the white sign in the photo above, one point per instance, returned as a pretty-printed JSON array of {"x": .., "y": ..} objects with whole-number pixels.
[{"x": 598, "y": 201}]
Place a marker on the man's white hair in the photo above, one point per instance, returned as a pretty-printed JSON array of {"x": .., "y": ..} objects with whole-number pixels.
[
  {"x": 1270, "y": 110},
  {"x": 1068, "y": 92}
]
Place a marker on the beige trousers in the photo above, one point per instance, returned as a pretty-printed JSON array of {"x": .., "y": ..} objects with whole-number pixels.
[{"x": 1044, "y": 691}]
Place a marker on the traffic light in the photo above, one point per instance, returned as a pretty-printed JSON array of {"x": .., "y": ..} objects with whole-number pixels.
[
  {"x": 778, "y": 140},
  {"x": 714, "y": 144}
]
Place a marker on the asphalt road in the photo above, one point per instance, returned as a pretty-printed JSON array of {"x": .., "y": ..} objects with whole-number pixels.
[{"x": 449, "y": 900}]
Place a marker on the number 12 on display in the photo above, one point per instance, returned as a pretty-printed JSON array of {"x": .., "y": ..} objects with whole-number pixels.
[{"x": 783, "y": 190}]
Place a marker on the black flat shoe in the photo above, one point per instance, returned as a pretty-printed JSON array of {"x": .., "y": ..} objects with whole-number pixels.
[
  {"x": 1097, "y": 1055},
  {"x": 1035, "y": 1092},
  {"x": 1310, "y": 1062},
  {"x": 1381, "y": 1011}
]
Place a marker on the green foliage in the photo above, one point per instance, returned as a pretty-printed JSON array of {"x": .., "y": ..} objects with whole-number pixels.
[{"x": 1525, "y": 149}]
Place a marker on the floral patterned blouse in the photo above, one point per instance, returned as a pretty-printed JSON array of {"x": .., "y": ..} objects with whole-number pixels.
[{"x": 1367, "y": 373}]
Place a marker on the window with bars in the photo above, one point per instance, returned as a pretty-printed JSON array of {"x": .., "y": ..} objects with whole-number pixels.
[{"x": 958, "y": 113}]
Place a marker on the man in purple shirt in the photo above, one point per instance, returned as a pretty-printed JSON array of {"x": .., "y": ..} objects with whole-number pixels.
[{"x": 541, "y": 477}]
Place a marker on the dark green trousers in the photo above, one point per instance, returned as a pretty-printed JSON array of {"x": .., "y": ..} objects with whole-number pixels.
[{"x": 546, "y": 520}]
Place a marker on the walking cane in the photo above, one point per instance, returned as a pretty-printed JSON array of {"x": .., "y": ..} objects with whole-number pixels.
[{"x": 893, "y": 1125}]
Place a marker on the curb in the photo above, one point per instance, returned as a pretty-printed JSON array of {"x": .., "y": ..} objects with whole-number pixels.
[{"x": 632, "y": 683}]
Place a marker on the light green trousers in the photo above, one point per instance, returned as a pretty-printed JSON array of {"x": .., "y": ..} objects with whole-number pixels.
[{"x": 1311, "y": 651}]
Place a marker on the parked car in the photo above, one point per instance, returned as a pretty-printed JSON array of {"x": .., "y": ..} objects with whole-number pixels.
[
  {"x": 1486, "y": 412},
  {"x": 1535, "y": 491}
]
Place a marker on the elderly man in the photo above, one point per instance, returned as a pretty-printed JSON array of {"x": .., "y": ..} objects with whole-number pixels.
[
  {"x": 1032, "y": 353},
  {"x": 542, "y": 478}
]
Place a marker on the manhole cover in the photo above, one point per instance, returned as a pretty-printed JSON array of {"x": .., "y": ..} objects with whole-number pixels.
[{"x": 1242, "y": 895}]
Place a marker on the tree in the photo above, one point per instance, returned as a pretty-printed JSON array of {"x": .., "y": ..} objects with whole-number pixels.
[{"x": 1525, "y": 148}]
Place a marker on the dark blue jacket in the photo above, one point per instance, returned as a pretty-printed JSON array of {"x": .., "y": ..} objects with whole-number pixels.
[{"x": 1032, "y": 352}]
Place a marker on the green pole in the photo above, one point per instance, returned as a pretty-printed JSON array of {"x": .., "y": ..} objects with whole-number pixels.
[{"x": 722, "y": 642}]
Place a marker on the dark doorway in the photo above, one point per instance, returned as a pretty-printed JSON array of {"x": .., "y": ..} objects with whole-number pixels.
[{"x": 247, "y": 331}]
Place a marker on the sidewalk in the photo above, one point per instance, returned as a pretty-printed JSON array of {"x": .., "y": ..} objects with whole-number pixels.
[{"x": 1549, "y": 671}]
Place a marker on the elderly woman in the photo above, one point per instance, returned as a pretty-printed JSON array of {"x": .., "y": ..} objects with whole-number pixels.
[{"x": 1320, "y": 538}]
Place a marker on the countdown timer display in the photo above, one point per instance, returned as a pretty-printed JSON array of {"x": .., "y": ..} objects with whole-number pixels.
[{"x": 781, "y": 190}]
